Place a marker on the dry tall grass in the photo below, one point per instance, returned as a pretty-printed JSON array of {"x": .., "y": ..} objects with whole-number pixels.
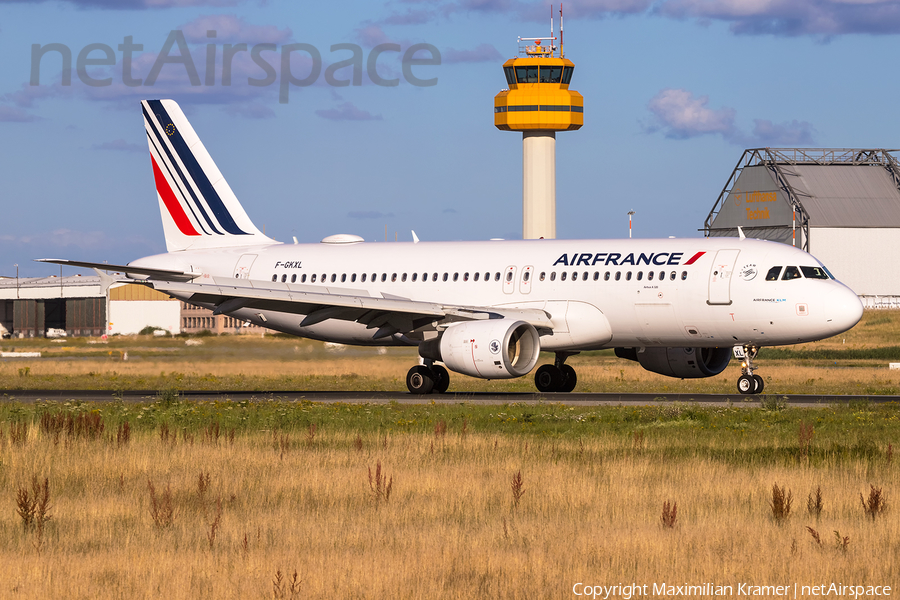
[{"x": 261, "y": 510}]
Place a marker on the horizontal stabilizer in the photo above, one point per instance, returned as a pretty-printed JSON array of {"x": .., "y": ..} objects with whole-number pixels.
[{"x": 162, "y": 274}]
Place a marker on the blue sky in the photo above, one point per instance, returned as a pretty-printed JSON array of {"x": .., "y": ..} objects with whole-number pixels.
[{"x": 674, "y": 91}]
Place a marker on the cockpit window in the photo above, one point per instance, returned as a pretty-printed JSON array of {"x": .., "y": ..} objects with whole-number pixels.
[
  {"x": 773, "y": 274},
  {"x": 814, "y": 272},
  {"x": 791, "y": 273}
]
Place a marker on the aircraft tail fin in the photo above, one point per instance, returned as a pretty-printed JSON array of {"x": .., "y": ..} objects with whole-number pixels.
[{"x": 198, "y": 208}]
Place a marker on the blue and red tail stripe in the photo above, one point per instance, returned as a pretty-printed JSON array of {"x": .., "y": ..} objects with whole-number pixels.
[{"x": 192, "y": 172}]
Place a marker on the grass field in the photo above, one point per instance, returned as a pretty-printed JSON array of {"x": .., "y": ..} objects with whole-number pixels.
[
  {"x": 854, "y": 363},
  {"x": 175, "y": 499},
  {"x": 243, "y": 491}
]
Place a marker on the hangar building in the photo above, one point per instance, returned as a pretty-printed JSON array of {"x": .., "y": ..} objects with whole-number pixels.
[{"x": 840, "y": 205}]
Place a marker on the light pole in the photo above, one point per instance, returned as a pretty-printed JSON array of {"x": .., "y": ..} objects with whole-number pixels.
[
  {"x": 17, "y": 279},
  {"x": 630, "y": 214}
]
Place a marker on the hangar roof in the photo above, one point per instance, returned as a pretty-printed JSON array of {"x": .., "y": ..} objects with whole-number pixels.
[{"x": 776, "y": 189}]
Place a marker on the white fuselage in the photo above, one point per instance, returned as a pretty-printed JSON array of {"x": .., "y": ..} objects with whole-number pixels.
[{"x": 599, "y": 293}]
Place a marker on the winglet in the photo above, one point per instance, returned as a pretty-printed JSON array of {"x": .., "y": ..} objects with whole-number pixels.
[
  {"x": 741, "y": 233},
  {"x": 415, "y": 237}
]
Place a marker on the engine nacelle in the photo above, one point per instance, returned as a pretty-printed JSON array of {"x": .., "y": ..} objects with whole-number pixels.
[
  {"x": 491, "y": 349},
  {"x": 685, "y": 363}
]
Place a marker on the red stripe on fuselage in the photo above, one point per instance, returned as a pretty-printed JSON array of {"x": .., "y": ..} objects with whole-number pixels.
[
  {"x": 694, "y": 258},
  {"x": 171, "y": 202}
]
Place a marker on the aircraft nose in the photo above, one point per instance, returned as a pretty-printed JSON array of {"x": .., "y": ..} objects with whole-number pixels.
[{"x": 843, "y": 309}]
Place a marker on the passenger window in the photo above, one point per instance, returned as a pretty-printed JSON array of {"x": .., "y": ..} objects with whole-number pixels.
[
  {"x": 363, "y": 278},
  {"x": 814, "y": 272},
  {"x": 553, "y": 276},
  {"x": 562, "y": 277},
  {"x": 476, "y": 276},
  {"x": 353, "y": 278},
  {"x": 456, "y": 277},
  {"x": 650, "y": 276},
  {"x": 487, "y": 276},
  {"x": 672, "y": 276},
  {"x": 383, "y": 277},
  {"x": 662, "y": 275},
  {"x": 393, "y": 278},
  {"x": 465, "y": 276},
  {"x": 584, "y": 276},
  {"x": 333, "y": 277},
  {"x": 618, "y": 275},
  {"x": 640, "y": 275},
  {"x": 294, "y": 278},
  {"x": 313, "y": 279},
  {"x": 415, "y": 276},
  {"x": 575, "y": 276},
  {"x": 542, "y": 276},
  {"x": 509, "y": 276},
  {"x": 606, "y": 276},
  {"x": 323, "y": 277},
  {"x": 628, "y": 276},
  {"x": 403, "y": 278},
  {"x": 343, "y": 278},
  {"x": 445, "y": 277},
  {"x": 434, "y": 277},
  {"x": 274, "y": 277},
  {"x": 284, "y": 278},
  {"x": 791, "y": 273},
  {"x": 596, "y": 275},
  {"x": 773, "y": 274},
  {"x": 527, "y": 276},
  {"x": 303, "y": 278},
  {"x": 497, "y": 276},
  {"x": 683, "y": 275}
]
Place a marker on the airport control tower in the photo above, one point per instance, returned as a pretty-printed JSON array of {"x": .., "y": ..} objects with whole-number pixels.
[{"x": 539, "y": 103}]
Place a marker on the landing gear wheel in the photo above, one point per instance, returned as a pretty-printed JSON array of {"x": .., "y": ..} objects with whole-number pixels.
[
  {"x": 570, "y": 378},
  {"x": 760, "y": 384},
  {"x": 420, "y": 380},
  {"x": 547, "y": 378},
  {"x": 441, "y": 378},
  {"x": 746, "y": 384}
]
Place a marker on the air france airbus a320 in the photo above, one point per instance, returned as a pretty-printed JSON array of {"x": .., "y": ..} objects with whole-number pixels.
[{"x": 486, "y": 309}]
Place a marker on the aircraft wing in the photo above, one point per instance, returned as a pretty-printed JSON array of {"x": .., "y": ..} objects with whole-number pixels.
[{"x": 389, "y": 314}]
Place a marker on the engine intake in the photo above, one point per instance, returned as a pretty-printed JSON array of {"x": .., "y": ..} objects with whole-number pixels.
[
  {"x": 684, "y": 363},
  {"x": 492, "y": 349}
]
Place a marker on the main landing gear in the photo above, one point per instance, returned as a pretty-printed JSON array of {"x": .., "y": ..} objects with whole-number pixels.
[
  {"x": 749, "y": 382},
  {"x": 427, "y": 378},
  {"x": 558, "y": 377}
]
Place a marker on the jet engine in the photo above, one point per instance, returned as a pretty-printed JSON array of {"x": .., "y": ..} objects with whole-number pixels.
[
  {"x": 491, "y": 349},
  {"x": 685, "y": 363}
]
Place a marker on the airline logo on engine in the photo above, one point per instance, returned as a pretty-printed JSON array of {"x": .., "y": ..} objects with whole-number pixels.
[
  {"x": 618, "y": 259},
  {"x": 495, "y": 346}
]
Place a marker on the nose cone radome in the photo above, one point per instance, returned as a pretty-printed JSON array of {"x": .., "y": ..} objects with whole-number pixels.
[{"x": 844, "y": 309}]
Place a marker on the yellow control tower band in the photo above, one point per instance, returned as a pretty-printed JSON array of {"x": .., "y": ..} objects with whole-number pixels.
[{"x": 538, "y": 103}]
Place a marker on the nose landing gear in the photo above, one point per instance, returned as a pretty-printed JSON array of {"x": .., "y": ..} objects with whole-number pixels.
[{"x": 749, "y": 382}]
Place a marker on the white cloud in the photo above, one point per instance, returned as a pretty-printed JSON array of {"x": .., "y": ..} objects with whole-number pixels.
[
  {"x": 233, "y": 29},
  {"x": 347, "y": 112},
  {"x": 679, "y": 114}
]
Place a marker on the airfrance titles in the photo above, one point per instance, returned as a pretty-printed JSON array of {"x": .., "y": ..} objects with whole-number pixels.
[{"x": 617, "y": 259}]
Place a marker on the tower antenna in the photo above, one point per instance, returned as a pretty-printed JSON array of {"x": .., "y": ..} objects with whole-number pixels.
[{"x": 562, "y": 52}]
